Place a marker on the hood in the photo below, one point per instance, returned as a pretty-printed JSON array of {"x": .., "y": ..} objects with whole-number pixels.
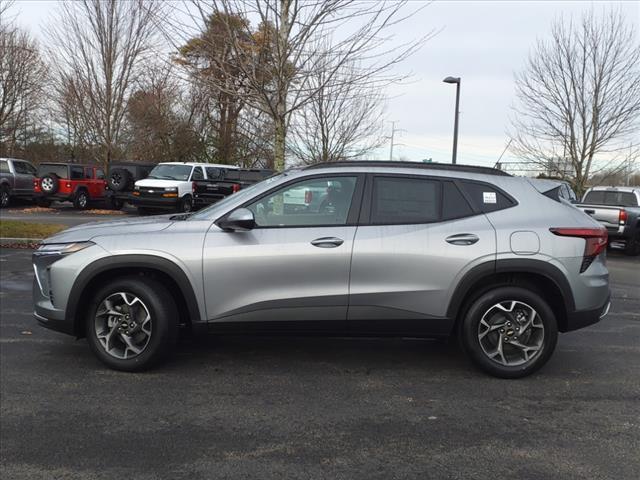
[
  {"x": 157, "y": 182},
  {"x": 87, "y": 231}
]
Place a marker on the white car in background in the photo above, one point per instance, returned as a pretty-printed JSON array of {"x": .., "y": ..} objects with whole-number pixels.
[{"x": 170, "y": 185}]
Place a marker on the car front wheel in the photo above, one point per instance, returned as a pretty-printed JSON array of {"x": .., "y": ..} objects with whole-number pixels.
[
  {"x": 509, "y": 332},
  {"x": 132, "y": 323}
]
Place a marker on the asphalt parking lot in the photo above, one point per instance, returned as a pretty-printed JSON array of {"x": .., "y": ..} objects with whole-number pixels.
[{"x": 255, "y": 407}]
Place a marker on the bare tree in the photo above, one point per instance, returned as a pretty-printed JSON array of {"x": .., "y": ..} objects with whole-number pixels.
[
  {"x": 22, "y": 77},
  {"x": 99, "y": 49},
  {"x": 579, "y": 99},
  {"x": 342, "y": 121},
  {"x": 284, "y": 59}
]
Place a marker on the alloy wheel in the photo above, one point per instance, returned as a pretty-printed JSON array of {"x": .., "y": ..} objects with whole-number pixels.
[
  {"x": 47, "y": 184},
  {"x": 4, "y": 198},
  {"x": 123, "y": 325},
  {"x": 511, "y": 333}
]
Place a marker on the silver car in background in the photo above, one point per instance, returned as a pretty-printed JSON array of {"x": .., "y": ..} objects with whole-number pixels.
[{"x": 390, "y": 248}]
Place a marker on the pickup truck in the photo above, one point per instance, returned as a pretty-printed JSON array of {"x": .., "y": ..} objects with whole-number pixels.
[
  {"x": 618, "y": 209},
  {"x": 16, "y": 180},
  {"x": 222, "y": 182}
]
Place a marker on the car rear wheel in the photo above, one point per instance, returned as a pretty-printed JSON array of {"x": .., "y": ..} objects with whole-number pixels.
[
  {"x": 632, "y": 247},
  {"x": 509, "y": 332},
  {"x": 132, "y": 323},
  {"x": 81, "y": 200},
  {"x": 4, "y": 197}
]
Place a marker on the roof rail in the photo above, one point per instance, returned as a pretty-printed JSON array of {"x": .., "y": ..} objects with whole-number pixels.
[{"x": 418, "y": 165}]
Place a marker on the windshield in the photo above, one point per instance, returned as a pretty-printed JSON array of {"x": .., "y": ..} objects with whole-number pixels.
[
  {"x": 171, "y": 172},
  {"x": 244, "y": 194}
]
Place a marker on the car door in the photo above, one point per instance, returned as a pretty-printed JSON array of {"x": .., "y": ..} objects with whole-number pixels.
[
  {"x": 294, "y": 265},
  {"x": 24, "y": 176},
  {"x": 418, "y": 236}
]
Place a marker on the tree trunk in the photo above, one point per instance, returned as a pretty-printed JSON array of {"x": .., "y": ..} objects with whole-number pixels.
[{"x": 279, "y": 143}]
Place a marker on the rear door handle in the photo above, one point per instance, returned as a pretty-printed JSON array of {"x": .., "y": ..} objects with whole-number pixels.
[
  {"x": 589, "y": 212},
  {"x": 462, "y": 239},
  {"x": 327, "y": 242}
]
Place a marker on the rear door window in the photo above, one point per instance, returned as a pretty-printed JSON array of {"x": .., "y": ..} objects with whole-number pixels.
[
  {"x": 77, "y": 173},
  {"x": 24, "y": 168},
  {"x": 405, "y": 200}
]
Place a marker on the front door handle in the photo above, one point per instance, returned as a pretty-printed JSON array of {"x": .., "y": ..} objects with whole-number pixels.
[
  {"x": 462, "y": 239},
  {"x": 327, "y": 242}
]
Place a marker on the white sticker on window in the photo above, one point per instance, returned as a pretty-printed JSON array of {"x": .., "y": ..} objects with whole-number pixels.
[{"x": 489, "y": 197}]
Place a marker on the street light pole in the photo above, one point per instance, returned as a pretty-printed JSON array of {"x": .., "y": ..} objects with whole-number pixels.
[{"x": 455, "y": 80}]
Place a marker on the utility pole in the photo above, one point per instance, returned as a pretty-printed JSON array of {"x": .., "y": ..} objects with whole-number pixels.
[{"x": 393, "y": 134}]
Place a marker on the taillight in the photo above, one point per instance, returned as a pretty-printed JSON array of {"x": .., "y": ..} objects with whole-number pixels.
[
  {"x": 595, "y": 241},
  {"x": 35, "y": 184},
  {"x": 193, "y": 187},
  {"x": 235, "y": 188},
  {"x": 622, "y": 216},
  {"x": 68, "y": 185},
  {"x": 308, "y": 196}
]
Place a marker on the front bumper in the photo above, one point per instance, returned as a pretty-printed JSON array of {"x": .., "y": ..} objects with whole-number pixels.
[
  {"x": 47, "y": 315},
  {"x": 584, "y": 318},
  {"x": 154, "y": 202}
]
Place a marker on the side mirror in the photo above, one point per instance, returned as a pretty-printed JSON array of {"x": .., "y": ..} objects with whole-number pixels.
[{"x": 240, "y": 220}]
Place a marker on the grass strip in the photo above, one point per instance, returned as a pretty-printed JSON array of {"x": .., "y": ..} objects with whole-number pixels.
[{"x": 19, "y": 229}]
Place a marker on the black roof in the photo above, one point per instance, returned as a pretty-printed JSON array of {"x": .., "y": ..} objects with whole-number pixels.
[{"x": 418, "y": 165}]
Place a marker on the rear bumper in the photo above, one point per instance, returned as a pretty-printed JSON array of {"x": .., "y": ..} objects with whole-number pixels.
[{"x": 584, "y": 318}]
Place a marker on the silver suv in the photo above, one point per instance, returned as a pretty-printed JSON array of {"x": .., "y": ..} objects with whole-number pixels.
[{"x": 389, "y": 248}]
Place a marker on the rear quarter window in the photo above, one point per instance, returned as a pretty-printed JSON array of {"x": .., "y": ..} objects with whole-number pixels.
[
  {"x": 485, "y": 197},
  {"x": 4, "y": 167}
]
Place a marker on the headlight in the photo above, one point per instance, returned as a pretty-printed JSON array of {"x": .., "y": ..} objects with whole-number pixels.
[
  {"x": 136, "y": 187},
  {"x": 171, "y": 189},
  {"x": 61, "y": 248},
  {"x": 48, "y": 254}
]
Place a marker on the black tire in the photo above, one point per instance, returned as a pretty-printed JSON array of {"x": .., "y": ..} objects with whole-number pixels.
[
  {"x": 164, "y": 322},
  {"x": 475, "y": 348},
  {"x": 632, "y": 248},
  {"x": 186, "y": 204},
  {"x": 81, "y": 200},
  {"x": 120, "y": 179},
  {"x": 5, "y": 198},
  {"x": 144, "y": 211},
  {"x": 49, "y": 183},
  {"x": 43, "y": 202},
  {"x": 116, "y": 203}
]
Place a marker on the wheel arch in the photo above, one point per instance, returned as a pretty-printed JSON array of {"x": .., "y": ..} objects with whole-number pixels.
[
  {"x": 108, "y": 268},
  {"x": 540, "y": 276}
]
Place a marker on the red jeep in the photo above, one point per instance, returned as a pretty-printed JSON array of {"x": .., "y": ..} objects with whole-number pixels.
[{"x": 77, "y": 183}]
